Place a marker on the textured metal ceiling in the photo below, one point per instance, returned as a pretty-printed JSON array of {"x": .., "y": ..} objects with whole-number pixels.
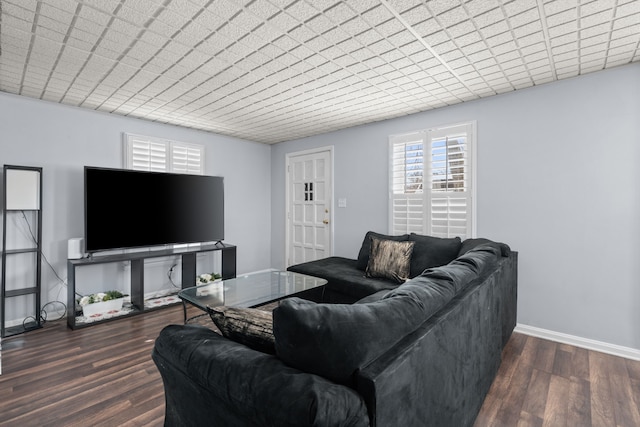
[{"x": 277, "y": 70}]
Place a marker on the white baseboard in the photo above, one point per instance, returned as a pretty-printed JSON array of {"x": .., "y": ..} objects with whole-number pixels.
[{"x": 589, "y": 344}]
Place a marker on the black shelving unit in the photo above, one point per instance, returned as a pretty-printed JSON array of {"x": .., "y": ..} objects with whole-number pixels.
[
  {"x": 22, "y": 196},
  {"x": 188, "y": 257}
]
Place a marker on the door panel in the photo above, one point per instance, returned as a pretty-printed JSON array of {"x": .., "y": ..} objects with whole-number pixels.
[{"x": 309, "y": 206}]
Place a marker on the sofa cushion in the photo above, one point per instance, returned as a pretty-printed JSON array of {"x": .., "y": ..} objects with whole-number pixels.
[
  {"x": 212, "y": 380},
  {"x": 248, "y": 326},
  {"x": 373, "y": 297},
  {"x": 469, "y": 244},
  {"x": 336, "y": 340},
  {"x": 343, "y": 277},
  {"x": 389, "y": 259},
  {"x": 365, "y": 249},
  {"x": 430, "y": 251},
  {"x": 468, "y": 268}
]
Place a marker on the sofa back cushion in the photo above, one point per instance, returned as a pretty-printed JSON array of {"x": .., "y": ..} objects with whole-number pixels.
[
  {"x": 430, "y": 251},
  {"x": 474, "y": 265},
  {"x": 469, "y": 244},
  {"x": 365, "y": 249},
  {"x": 336, "y": 340}
]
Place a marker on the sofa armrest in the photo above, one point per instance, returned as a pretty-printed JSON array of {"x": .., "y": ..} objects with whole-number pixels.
[
  {"x": 208, "y": 377},
  {"x": 443, "y": 370}
]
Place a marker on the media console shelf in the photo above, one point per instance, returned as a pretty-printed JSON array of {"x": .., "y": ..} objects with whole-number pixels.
[{"x": 188, "y": 255}]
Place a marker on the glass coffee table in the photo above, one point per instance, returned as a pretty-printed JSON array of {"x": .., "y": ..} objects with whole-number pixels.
[{"x": 248, "y": 291}]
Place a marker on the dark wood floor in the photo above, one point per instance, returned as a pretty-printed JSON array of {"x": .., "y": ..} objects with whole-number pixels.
[
  {"x": 543, "y": 383},
  {"x": 104, "y": 376}
]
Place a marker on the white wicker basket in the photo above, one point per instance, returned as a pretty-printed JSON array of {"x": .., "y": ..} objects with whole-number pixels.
[{"x": 102, "y": 307}]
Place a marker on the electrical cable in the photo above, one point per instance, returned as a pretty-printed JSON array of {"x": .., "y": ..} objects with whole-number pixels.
[
  {"x": 169, "y": 275},
  {"x": 42, "y": 253},
  {"x": 52, "y": 303},
  {"x": 43, "y": 313},
  {"x": 24, "y": 322}
]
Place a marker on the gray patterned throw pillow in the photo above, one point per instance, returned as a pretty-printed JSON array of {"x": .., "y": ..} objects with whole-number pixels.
[
  {"x": 248, "y": 326},
  {"x": 389, "y": 260}
]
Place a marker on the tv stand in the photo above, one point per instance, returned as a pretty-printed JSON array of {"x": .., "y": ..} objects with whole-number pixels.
[{"x": 188, "y": 255}]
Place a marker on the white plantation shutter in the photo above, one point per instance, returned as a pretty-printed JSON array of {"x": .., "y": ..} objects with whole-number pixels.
[
  {"x": 431, "y": 182},
  {"x": 186, "y": 159},
  {"x": 450, "y": 195},
  {"x": 159, "y": 155},
  {"x": 407, "y": 174},
  {"x": 146, "y": 155}
]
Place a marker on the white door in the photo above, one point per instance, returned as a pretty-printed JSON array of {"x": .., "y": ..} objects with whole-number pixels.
[{"x": 309, "y": 202}]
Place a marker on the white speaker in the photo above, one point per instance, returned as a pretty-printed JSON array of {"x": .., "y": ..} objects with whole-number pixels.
[{"x": 75, "y": 248}]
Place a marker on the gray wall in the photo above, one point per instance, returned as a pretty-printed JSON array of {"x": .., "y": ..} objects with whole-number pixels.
[
  {"x": 557, "y": 180},
  {"x": 64, "y": 139}
]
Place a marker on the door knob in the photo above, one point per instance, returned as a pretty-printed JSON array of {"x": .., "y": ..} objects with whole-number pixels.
[{"x": 325, "y": 221}]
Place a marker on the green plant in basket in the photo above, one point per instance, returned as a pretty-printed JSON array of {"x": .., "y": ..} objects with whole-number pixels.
[
  {"x": 205, "y": 278},
  {"x": 101, "y": 297}
]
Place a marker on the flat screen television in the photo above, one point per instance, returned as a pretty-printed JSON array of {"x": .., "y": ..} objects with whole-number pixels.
[{"x": 129, "y": 209}]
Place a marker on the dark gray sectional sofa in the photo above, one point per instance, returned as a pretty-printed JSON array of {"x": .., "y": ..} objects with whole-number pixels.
[{"x": 421, "y": 353}]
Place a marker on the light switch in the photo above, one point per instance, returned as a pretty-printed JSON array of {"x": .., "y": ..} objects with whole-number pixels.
[{"x": 342, "y": 202}]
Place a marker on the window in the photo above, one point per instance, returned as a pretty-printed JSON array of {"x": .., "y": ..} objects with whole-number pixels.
[
  {"x": 161, "y": 155},
  {"x": 431, "y": 182}
]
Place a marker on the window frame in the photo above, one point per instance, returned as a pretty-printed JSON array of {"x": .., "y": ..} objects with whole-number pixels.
[
  {"x": 417, "y": 205},
  {"x": 167, "y": 148}
]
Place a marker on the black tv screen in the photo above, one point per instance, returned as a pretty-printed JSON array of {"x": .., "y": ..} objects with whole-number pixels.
[{"x": 127, "y": 209}]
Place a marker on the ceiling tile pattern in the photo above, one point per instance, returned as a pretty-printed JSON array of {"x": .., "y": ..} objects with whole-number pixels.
[{"x": 277, "y": 70}]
